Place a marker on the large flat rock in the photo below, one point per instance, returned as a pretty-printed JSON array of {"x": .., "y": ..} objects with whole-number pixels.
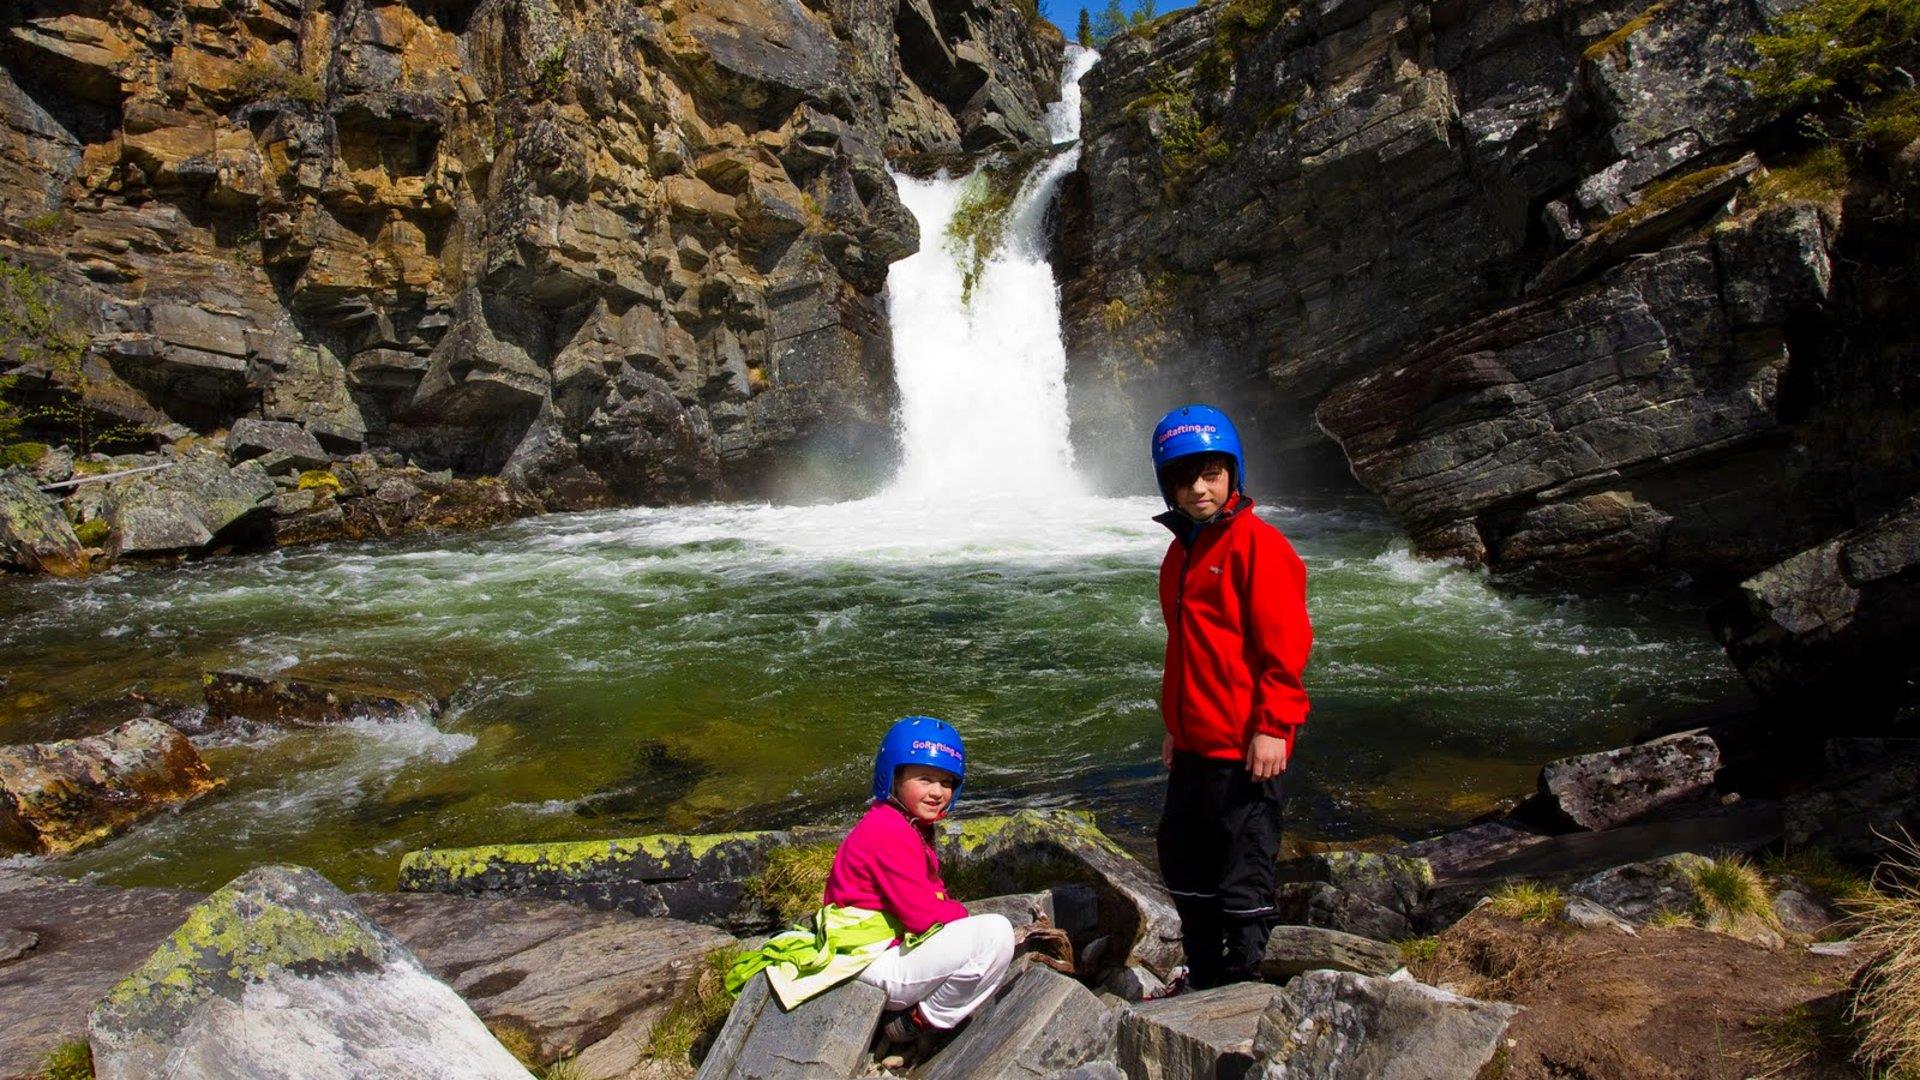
[
  {"x": 1198, "y": 1036},
  {"x": 575, "y": 981},
  {"x": 825, "y": 1037},
  {"x": 1044, "y": 1023},
  {"x": 279, "y": 976},
  {"x": 1339, "y": 1025}
]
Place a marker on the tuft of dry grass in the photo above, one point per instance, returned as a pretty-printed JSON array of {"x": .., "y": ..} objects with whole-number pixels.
[
  {"x": 1528, "y": 902},
  {"x": 1886, "y": 1003},
  {"x": 1733, "y": 897},
  {"x": 1672, "y": 920},
  {"x": 687, "y": 1029},
  {"x": 1489, "y": 960}
]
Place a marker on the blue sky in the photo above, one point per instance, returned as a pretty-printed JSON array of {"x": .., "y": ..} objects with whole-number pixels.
[{"x": 1066, "y": 13}]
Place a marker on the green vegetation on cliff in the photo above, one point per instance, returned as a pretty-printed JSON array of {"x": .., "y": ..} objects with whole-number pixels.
[
  {"x": 979, "y": 223},
  {"x": 1856, "y": 49}
]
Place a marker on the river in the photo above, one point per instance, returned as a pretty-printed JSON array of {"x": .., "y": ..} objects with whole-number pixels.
[{"x": 621, "y": 672}]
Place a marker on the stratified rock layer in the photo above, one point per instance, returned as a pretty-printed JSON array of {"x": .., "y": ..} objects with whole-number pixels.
[
  {"x": 616, "y": 251},
  {"x": 1515, "y": 268}
]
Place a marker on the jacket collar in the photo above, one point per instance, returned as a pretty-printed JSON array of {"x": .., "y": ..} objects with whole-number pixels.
[{"x": 1188, "y": 530}]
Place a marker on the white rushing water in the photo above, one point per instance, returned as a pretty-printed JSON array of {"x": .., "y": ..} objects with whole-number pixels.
[{"x": 983, "y": 390}]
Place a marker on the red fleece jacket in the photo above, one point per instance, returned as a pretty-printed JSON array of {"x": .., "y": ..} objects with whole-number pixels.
[
  {"x": 1234, "y": 597},
  {"x": 887, "y": 864}
]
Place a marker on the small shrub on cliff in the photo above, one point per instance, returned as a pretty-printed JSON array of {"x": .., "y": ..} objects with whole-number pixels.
[
  {"x": 1857, "y": 49},
  {"x": 264, "y": 80},
  {"x": 688, "y": 1027},
  {"x": 1886, "y": 1000},
  {"x": 979, "y": 223}
]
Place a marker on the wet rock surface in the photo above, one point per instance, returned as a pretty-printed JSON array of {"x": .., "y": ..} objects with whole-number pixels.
[
  {"x": 278, "y": 974},
  {"x": 59, "y": 796},
  {"x": 307, "y": 701}
]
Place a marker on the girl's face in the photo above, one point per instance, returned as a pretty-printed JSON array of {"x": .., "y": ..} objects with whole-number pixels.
[{"x": 924, "y": 790}]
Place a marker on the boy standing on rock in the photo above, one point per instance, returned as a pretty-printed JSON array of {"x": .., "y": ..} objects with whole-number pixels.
[{"x": 1233, "y": 594}]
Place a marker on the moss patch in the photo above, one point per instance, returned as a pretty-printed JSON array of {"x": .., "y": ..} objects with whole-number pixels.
[
  {"x": 979, "y": 223},
  {"x": 23, "y": 453},
  {"x": 1663, "y": 196},
  {"x": 68, "y": 1061},
  {"x": 232, "y": 935},
  {"x": 92, "y": 532},
  {"x": 564, "y": 857},
  {"x": 791, "y": 883},
  {"x": 1820, "y": 175},
  {"x": 1614, "y": 46},
  {"x": 320, "y": 480}
]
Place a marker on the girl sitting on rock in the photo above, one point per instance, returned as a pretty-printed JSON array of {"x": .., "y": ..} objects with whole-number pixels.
[{"x": 887, "y": 919}]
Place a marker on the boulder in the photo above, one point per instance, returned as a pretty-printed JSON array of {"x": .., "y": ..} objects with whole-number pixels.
[
  {"x": 1600, "y": 791},
  {"x": 1315, "y": 903},
  {"x": 16, "y": 943},
  {"x": 297, "y": 448},
  {"x": 826, "y": 1037},
  {"x": 1339, "y": 1025},
  {"x": 1394, "y": 883},
  {"x": 578, "y": 984},
  {"x": 1585, "y": 914},
  {"x": 1638, "y": 891},
  {"x": 34, "y": 534},
  {"x": 1463, "y": 851},
  {"x": 184, "y": 507},
  {"x": 1135, "y": 982},
  {"x": 1008, "y": 852},
  {"x": 1802, "y": 914},
  {"x": 1045, "y": 1022},
  {"x": 280, "y": 975},
  {"x": 1293, "y": 950},
  {"x": 58, "y": 796},
  {"x": 308, "y": 702},
  {"x": 1837, "y": 618},
  {"x": 1195, "y": 1036},
  {"x": 1852, "y": 814}
]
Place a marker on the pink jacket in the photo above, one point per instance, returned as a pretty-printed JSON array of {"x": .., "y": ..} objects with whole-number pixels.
[{"x": 887, "y": 864}]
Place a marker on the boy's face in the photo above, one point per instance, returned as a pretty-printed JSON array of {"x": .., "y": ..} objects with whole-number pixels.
[
  {"x": 1200, "y": 484},
  {"x": 924, "y": 790}
]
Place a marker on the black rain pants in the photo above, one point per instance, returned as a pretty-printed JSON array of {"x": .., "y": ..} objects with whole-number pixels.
[{"x": 1219, "y": 845}]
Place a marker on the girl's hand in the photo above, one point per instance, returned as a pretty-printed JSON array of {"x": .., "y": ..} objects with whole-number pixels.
[
  {"x": 1166, "y": 751},
  {"x": 1266, "y": 758}
]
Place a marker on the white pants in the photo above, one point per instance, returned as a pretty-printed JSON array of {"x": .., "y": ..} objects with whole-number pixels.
[{"x": 951, "y": 973}]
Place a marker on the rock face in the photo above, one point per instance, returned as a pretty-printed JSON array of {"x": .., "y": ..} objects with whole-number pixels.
[
  {"x": 279, "y": 975},
  {"x": 1197, "y": 1036},
  {"x": 55, "y": 797},
  {"x": 1294, "y": 950},
  {"x": 1599, "y": 791},
  {"x": 614, "y": 252},
  {"x": 1639, "y": 891},
  {"x": 1336, "y": 1025},
  {"x": 1508, "y": 265}
]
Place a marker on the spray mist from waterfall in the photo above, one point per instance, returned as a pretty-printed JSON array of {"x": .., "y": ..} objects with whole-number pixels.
[{"x": 982, "y": 377}]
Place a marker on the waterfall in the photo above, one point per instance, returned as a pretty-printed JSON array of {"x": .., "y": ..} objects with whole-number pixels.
[{"x": 982, "y": 378}]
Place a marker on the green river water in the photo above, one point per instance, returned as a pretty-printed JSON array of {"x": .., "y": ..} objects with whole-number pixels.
[{"x": 632, "y": 671}]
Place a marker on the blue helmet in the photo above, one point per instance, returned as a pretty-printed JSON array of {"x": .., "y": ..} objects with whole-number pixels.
[
  {"x": 1195, "y": 429},
  {"x": 919, "y": 740}
]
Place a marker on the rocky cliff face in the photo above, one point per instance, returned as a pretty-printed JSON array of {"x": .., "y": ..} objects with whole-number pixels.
[
  {"x": 617, "y": 251},
  {"x": 1525, "y": 270}
]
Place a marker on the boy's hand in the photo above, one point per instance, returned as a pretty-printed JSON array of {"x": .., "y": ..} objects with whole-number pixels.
[
  {"x": 1166, "y": 751},
  {"x": 1266, "y": 757}
]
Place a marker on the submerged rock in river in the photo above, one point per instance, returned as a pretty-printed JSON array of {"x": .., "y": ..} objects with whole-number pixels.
[
  {"x": 279, "y": 975},
  {"x": 305, "y": 702},
  {"x": 58, "y": 796}
]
